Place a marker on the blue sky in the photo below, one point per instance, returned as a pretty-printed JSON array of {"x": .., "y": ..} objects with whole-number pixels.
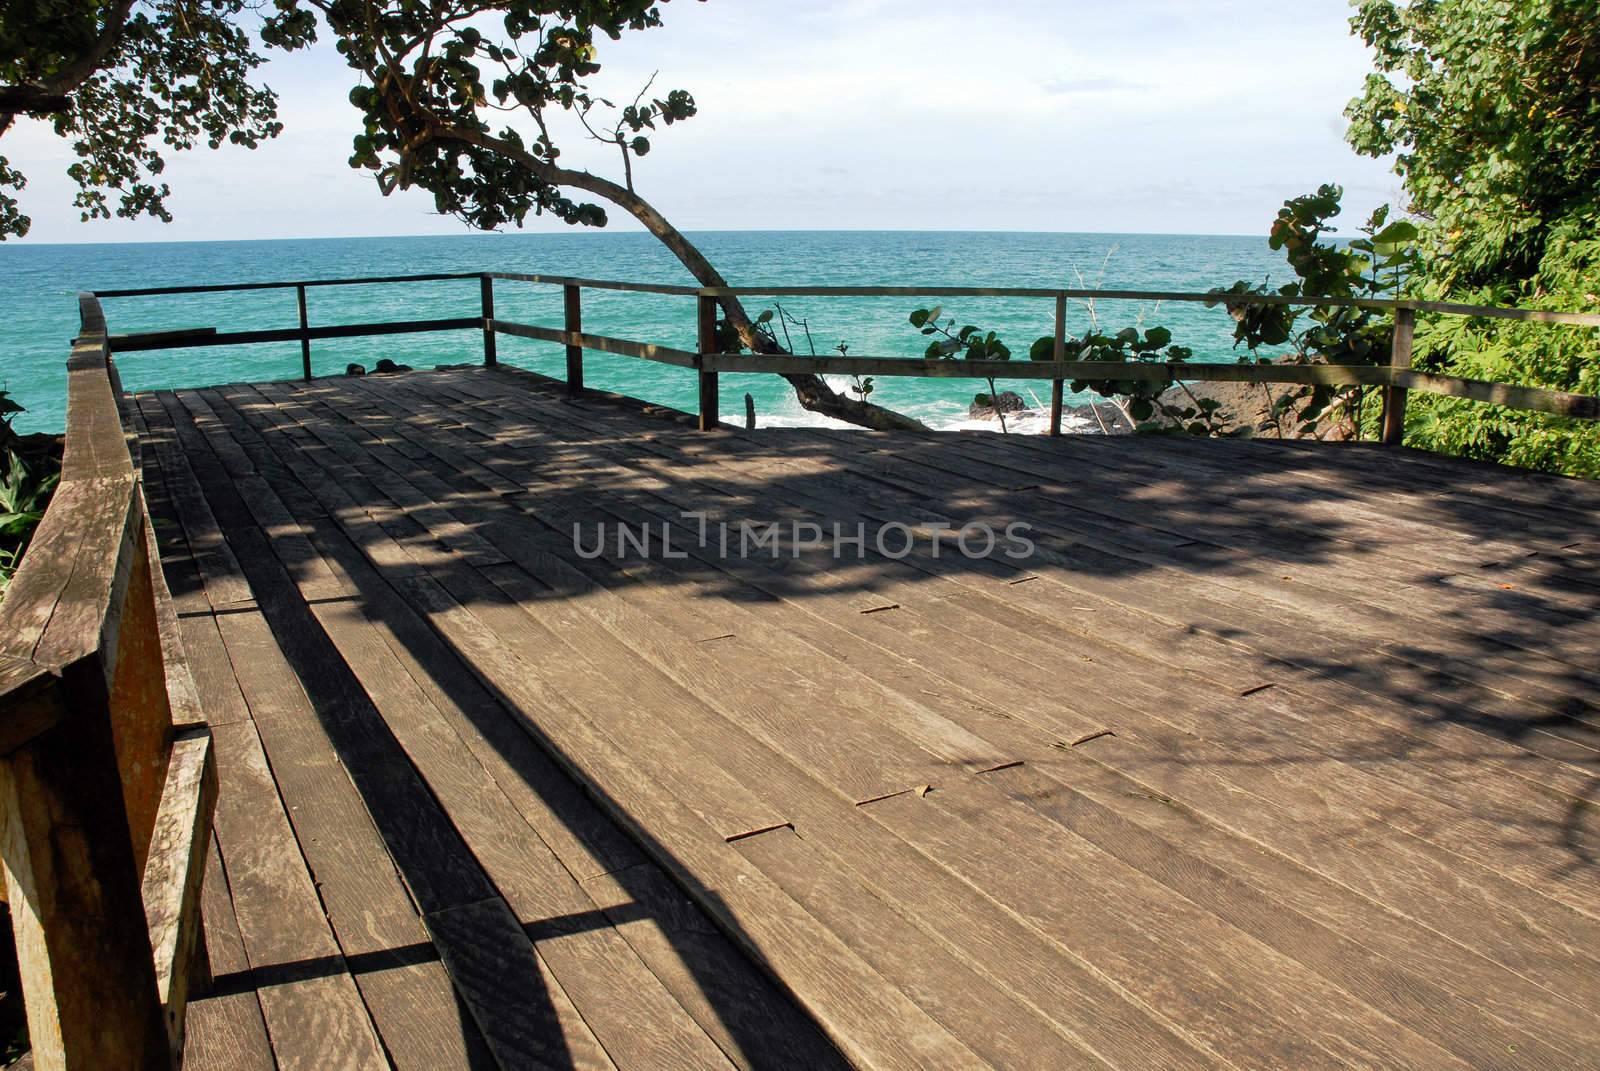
[{"x": 1165, "y": 116}]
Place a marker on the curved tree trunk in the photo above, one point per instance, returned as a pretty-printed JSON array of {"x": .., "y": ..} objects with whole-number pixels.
[{"x": 812, "y": 391}]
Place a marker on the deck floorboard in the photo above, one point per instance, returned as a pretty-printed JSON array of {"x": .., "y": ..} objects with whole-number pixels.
[{"x": 1271, "y": 755}]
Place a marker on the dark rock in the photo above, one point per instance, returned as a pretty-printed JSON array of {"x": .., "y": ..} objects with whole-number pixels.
[
  {"x": 1103, "y": 417},
  {"x": 1010, "y": 402}
]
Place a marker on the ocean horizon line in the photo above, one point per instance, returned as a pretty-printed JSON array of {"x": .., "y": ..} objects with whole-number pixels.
[{"x": 593, "y": 233}]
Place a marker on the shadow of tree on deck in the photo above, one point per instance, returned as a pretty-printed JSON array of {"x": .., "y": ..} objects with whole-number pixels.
[{"x": 1395, "y": 621}]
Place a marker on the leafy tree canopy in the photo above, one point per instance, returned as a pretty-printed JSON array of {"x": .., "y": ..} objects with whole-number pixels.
[
  {"x": 1492, "y": 108},
  {"x": 127, "y": 81}
]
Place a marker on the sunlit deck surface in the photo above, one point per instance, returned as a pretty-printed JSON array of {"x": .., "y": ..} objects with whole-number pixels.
[{"x": 1272, "y": 756}]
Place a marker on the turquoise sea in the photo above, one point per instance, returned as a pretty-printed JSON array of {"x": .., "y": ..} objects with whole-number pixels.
[{"x": 38, "y": 284}]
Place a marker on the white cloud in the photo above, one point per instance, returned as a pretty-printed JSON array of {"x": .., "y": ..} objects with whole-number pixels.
[{"x": 1152, "y": 115}]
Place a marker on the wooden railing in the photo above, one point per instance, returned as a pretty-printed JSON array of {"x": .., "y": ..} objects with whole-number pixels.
[
  {"x": 107, "y": 780},
  {"x": 1395, "y": 379},
  {"x": 304, "y": 333},
  {"x": 106, "y": 774}
]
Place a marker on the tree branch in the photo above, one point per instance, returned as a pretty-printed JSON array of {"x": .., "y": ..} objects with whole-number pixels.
[{"x": 813, "y": 392}]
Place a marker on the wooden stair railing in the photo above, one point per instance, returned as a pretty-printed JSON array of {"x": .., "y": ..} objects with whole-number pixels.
[{"x": 107, "y": 780}]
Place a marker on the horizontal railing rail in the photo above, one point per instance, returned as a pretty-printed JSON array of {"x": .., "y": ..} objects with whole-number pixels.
[
  {"x": 304, "y": 333},
  {"x": 210, "y": 336},
  {"x": 1395, "y": 379},
  {"x": 1583, "y": 319},
  {"x": 288, "y": 284},
  {"x": 107, "y": 780}
]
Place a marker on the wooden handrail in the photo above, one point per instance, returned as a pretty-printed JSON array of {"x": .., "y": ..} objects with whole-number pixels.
[
  {"x": 1581, "y": 319},
  {"x": 106, "y": 775},
  {"x": 1560, "y": 403},
  {"x": 1395, "y": 379},
  {"x": 285, "y": 284}
]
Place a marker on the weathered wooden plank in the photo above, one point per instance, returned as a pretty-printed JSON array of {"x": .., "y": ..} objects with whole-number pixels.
[
  {"x": 138, "y": 708},
  {"x": 1112, "y": 685},
  {"x": 224, "y": 1028},
  {"x": 1244, "y": 998},
  {"x": 173, "y": 872},
  {"x": 314, "y": 1013},
  {"x": 838, "y": 988},
  {"x": 999, "y": 1027},
  {"x": 1274, "y": 777},
  {"x": 1148, "y": 1034},
  {"x": 82, "y": 953},
  {"x": 586, "y": 842},
  {"x": 225, "y": 585},
  {"x": 592, "y": 963},
  {"x": 489, "y": 955},
  {"x": 863, "y": 769},
  {"x": 755, "y": 1024},
  {"x": 372, "y": 914}
]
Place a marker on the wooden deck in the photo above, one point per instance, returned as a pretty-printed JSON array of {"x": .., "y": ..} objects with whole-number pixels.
[{"x": 1272, "y": 756}]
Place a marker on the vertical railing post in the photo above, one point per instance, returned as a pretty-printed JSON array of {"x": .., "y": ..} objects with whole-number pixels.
[
  {"x": 572, "y": 303},
  {"x": 1394, "y": 397},
  {"x": 486, "y": 296},
  {"x": 1058, "y": 354},
  {"x": 706, "y": 321},
  {"x": 305, "y": 333}
]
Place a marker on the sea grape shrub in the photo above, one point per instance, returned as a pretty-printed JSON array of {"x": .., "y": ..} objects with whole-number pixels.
[
  {"x": 25, "y": 489},
  {"x": 1373, "y": 266},
  {"x": 968, "y": 343},
  {"x": 1141, "y": 396}
]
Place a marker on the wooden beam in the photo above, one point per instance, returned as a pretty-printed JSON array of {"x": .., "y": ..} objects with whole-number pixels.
[
  {"x": 83, "y": 949},
  {"x": 1560, "y": 403},
  {"x": 293, "y": 334},
  {"x": 140, "y": 718},
  {"x": 1449, "y": 308},
  {"x": 1394, "y": 397},
  {"x": 149, "y": 339},
  {"x": 173, "y": 873},
  {"x": 1146, "y": 371},
  {"x": 1059, "y": 355},
  {"x": 643, "y": 350},
  {"x": 305, "y": 334},
  {"x": 572, "y": 307},
  {"x": 598, "y": 284},
  {"x": 706, "y": 319},
  {"x": 222, "y": 288},
  {"x": 486, "y": 305}
]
